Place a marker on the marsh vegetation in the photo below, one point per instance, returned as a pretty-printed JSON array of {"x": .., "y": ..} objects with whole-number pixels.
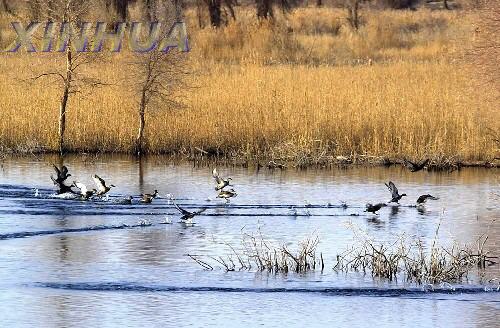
[
  {"x": 303, "y": 87},
  {"x": 405, "y": 258}
]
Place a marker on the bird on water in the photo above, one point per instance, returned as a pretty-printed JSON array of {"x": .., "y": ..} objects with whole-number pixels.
[
  {"x": 422, "y": 199},
  {"x": 227, "y": 194},
  {"x": 374, "y": 208},
  {"x": 148, "y": 198},
  {"x": 84, "y": 191},
  {"x": 187, "y": 216}
]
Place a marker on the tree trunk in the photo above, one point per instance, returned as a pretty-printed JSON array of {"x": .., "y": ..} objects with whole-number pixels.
[
  {"x": 319, "y": 3},
  {"x": 353, "y": 14},
  {"x": 199, "y": 15},
  {"x": 151, "y": 10},
  {"x": 121, "y": 7},
  {"x": 446, "y": 6},
  {"x": 229, "y": 5},
  {"x": 142, "y": 123},
  {"x": 214, "y": 9},
  {"x": 64, "y": 99},
  {"x": 264, "y": 9}
]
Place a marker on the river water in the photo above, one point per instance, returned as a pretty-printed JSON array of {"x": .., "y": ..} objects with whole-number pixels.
[{"x": 72, "y": 263}]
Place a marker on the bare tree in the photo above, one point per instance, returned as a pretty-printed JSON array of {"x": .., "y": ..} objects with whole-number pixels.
[
  {"x": 157, "y": 78},
  {"x": 120, "y": 7},
  {"x": 215, "y": 12},
  {"x": 219, "y": 11},
  {"x": 70, "y": 77},
  {"x": 352, "y": 7},
  {"x": 265, "y": 7}
]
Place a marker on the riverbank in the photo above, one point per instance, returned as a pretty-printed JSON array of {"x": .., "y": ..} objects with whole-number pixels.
[
  {"x": 201, "y": 158},
  {"x": 260, "y": 93}
]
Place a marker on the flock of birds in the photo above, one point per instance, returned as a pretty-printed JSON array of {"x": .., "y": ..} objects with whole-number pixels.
[
  {"x": 102, "y": 189},
  {"x": 221, "y": 183}
]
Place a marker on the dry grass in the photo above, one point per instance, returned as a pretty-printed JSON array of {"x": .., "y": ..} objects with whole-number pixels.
[
  {"x": 263, "y": 255},
  {"x": 411, "y": 259},
  {"x": 301, "y": 89},
  {"x": 405, "y": 258}
]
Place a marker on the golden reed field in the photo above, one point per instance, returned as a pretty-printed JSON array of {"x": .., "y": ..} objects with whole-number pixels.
[{"x": 305, "y": 89}]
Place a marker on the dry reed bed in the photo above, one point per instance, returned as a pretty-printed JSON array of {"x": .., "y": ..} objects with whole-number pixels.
[
  {"x": 262, "y": 111},
  {"x": 261, "y": 254},
  {"x": 406, "y": 258},
  {"x": 409, "y": 103},
  {"x": 323, "y": 36},
  {"x": 409, "y": 258}
]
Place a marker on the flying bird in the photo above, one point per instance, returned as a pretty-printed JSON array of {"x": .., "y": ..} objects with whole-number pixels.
[
  {"x": 396, "y": 197},
  {"x": 415, "y": 167},
  {"x": 102, "y": 189},
  {"x": 422, "y": 199},
  {"x": 187, "y": 216},
  {"x": 221, "y": 183},
  {"x": 374, "y": 208},
  {"x": 61, "y": 174}
]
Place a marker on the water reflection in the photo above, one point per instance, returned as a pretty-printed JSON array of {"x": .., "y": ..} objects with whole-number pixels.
[{"x": 156, "y": 254}]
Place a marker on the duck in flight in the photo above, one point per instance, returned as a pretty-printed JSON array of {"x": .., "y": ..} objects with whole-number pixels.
[
  {"x": 148, "y": 198},
  {"x": 187, "y": 216},
  {"x": 221, "y": 183},
  {"x": 422, "y": 199},
  {"x": 396, "y": 197},
  {"x": 374, "y": 208},
  {"x": 61, "y": 176},
  {"x": 415, "y": 167},
  {"x": 102, "y": 189},
  {"x": 227, "y": 194},
  {"x": 84, "y": 191}
]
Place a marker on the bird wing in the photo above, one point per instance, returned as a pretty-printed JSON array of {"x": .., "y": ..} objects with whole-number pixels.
[
  {"x": 423, "y": 162},
  {"x": 82, "y": 187},
  {"x": 64, "y": 170},
  {"x": 409, "y": 163},
  {"x": 58, "y": 172},
  {"x": 100, "y": 183},
  {"x": 181, "y": 210},
  {"x": 200, "y": 211},
  {"x": 392, "y": 188},
  {"x": 216, "y": 176}
]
